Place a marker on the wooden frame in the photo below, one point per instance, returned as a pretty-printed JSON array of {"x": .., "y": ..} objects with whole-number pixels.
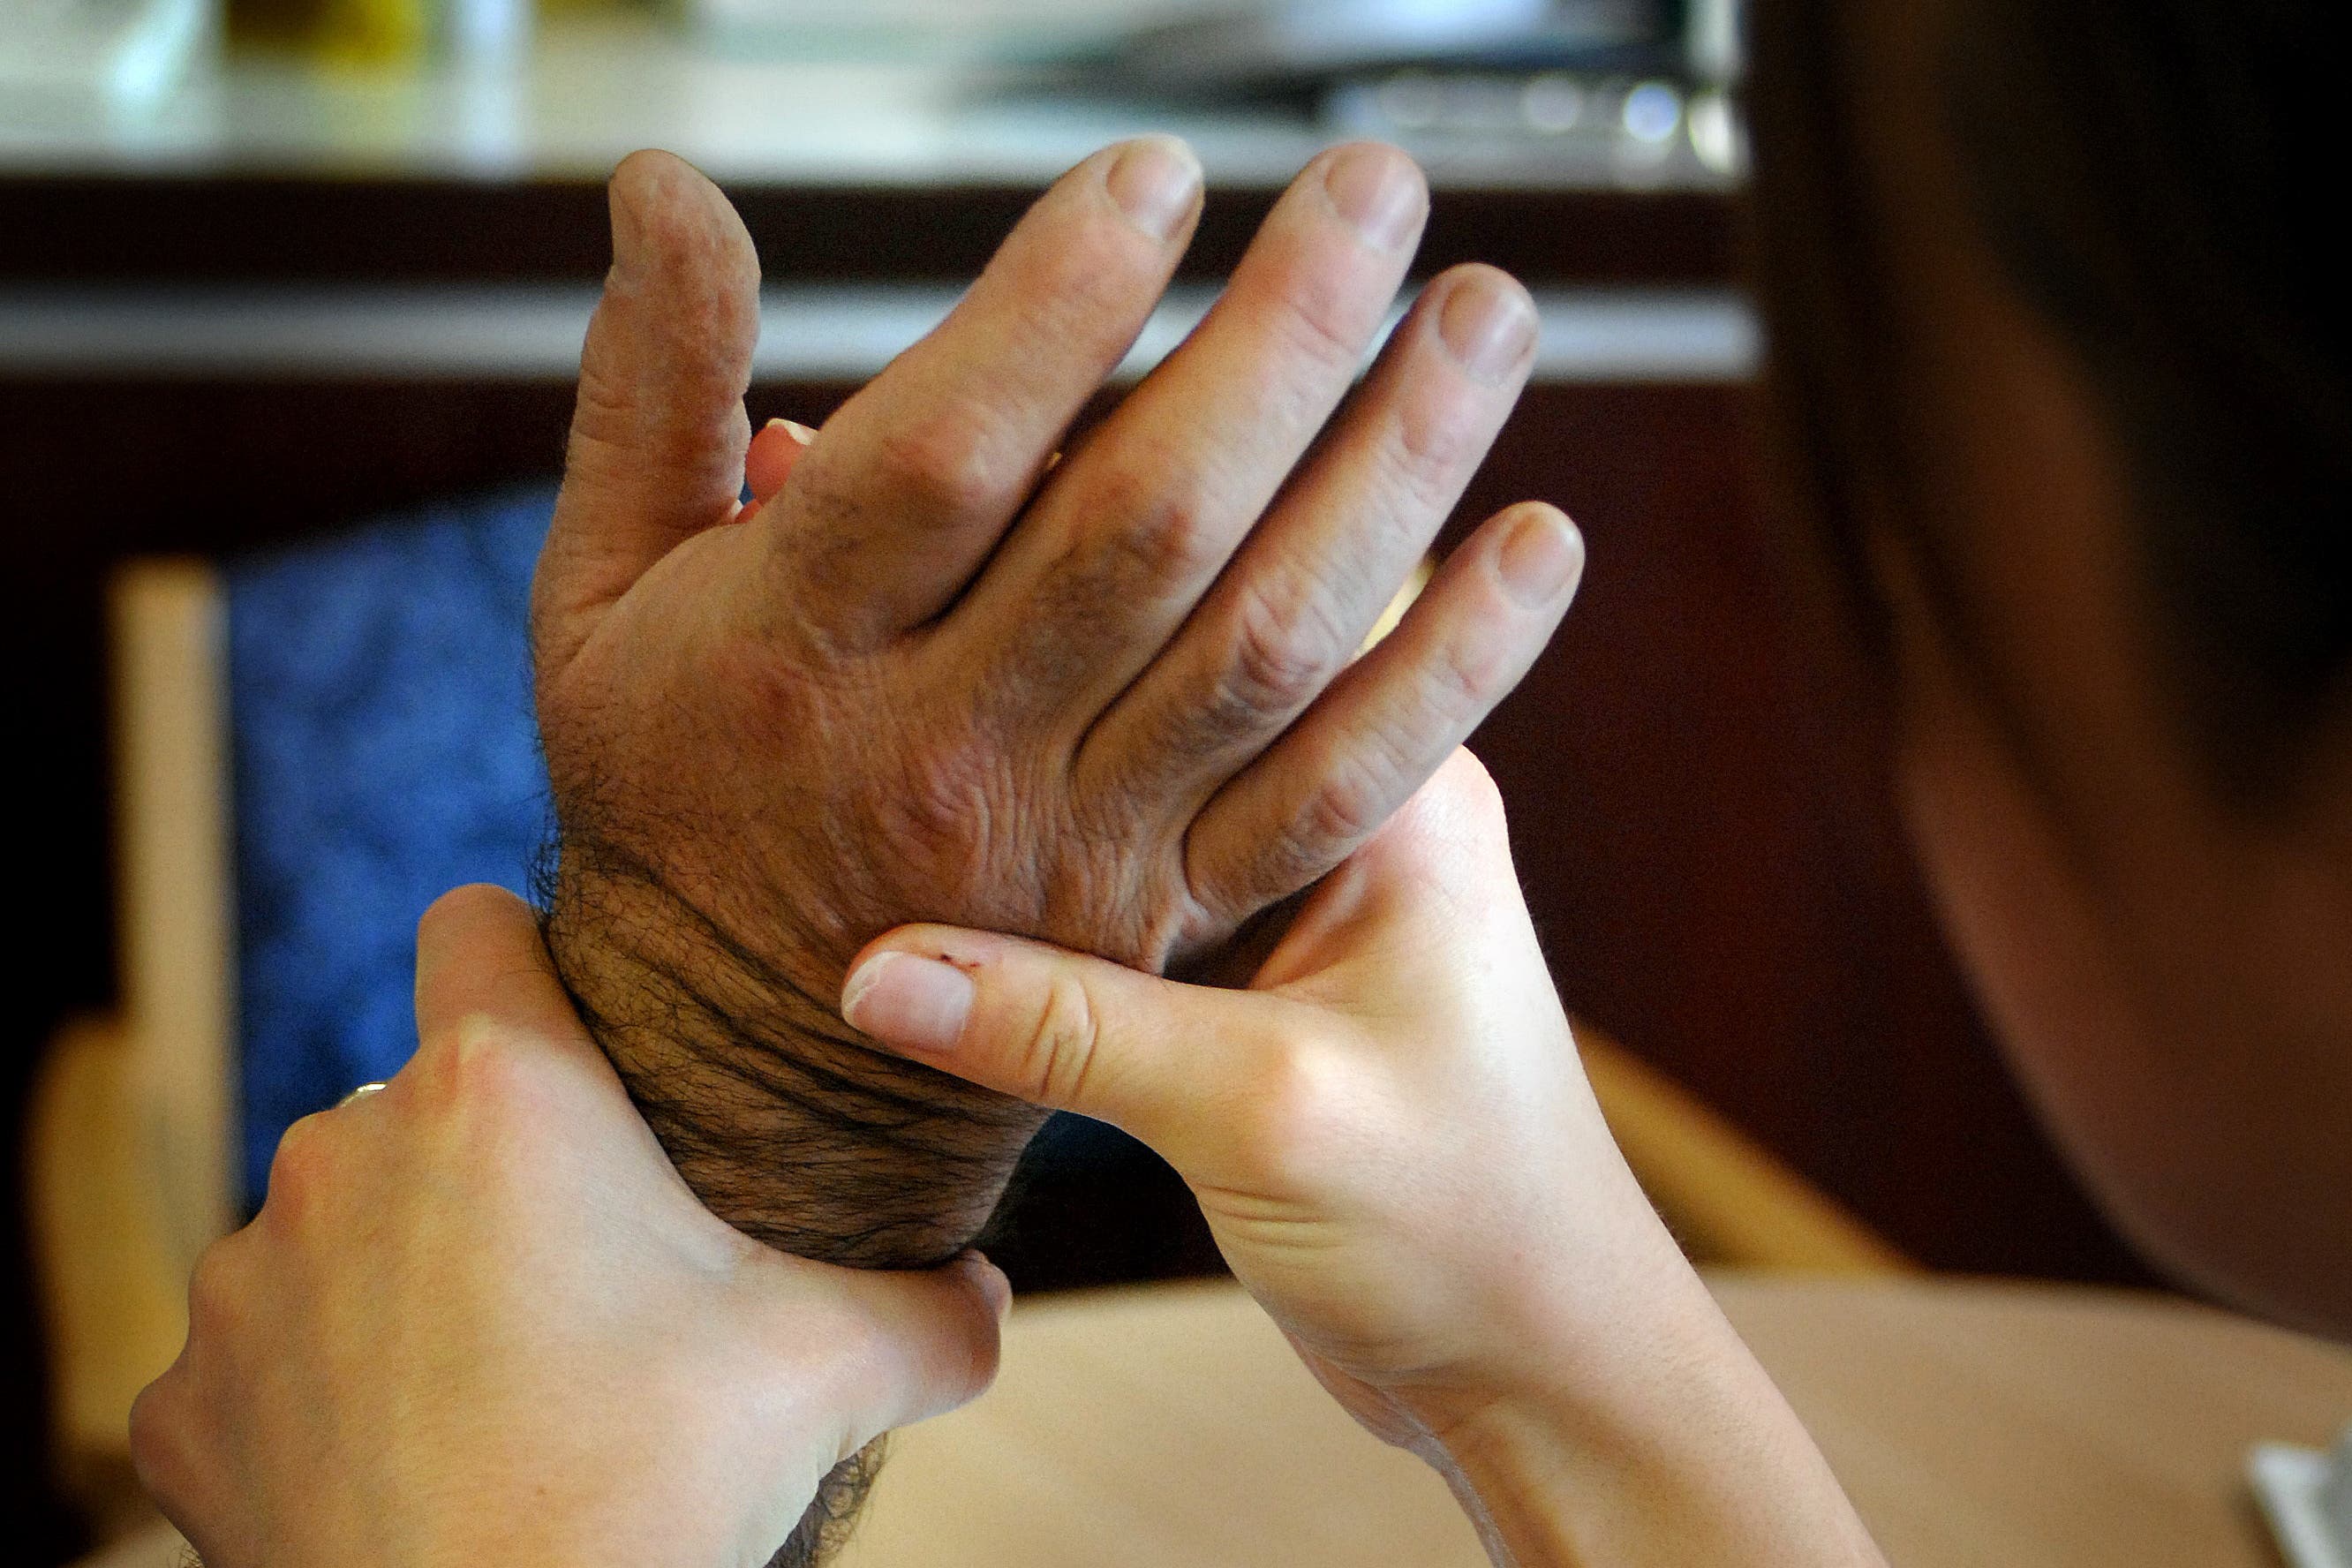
[{"x": 134, "y": 1118}]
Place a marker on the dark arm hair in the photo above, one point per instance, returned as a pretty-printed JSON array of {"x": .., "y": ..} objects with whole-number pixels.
[
  {"x": 2152, "y": 178},
  {"x": 782, "y": 1121}
]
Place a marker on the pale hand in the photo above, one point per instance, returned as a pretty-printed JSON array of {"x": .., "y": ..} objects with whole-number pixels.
[
  {"x": 1394, "y": 1143},
  {"x": 479, "y": 1319}
]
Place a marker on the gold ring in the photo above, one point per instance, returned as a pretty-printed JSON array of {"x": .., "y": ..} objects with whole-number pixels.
[{"x": 359, "y": 1093}]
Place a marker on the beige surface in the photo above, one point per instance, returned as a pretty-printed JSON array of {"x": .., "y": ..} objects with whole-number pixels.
[
  {"x": 1975, "y": 1424},
  {"x": 2027, "y": 1425},
  {"x": 1986, "y": 1425},
  {"x": 1151, "y": 1428}
]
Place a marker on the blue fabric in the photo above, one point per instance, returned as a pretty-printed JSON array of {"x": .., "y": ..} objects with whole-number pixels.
[{"x": 384, "y": 752}]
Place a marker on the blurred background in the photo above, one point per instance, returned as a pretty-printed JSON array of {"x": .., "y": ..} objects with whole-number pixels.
[{"x": 291, "y": 294}]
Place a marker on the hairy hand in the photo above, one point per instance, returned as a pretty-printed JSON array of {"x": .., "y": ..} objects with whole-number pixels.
[{"x": 1111, "y": 705}]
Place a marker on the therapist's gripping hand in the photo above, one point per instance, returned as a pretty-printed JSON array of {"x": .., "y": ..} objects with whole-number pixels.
[
  {"x": 479, "y": 1319},
  {"x": 936, "y": 676},
  {"x": 1389, "y": 1132},
  {"x": 1393, "y": 1142}
]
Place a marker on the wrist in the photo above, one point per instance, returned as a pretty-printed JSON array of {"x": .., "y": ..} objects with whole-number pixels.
[
  {"x": 780, "y": 1116},
  {"x": 1572, "y": 1323},
  {"x": 1664, "y": 1441}
]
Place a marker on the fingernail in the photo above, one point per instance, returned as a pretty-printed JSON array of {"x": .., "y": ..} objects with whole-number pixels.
[
  {"x": 1489, "y": 326},
  {"x": 1155, "y": 182},
  {"x": 1379, "y": 191},
  {"x": 1542, "y": 558},
  {"x": 795, "y": 428},
  {"x": 909, "y": 1003}
]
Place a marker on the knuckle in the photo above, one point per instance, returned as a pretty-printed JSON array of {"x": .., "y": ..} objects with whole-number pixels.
[
  {"x": 605, "y": 414},
  {"x": 486, "y": 1074},
  {"x": 1157, "y": 527},
  {"x": 1323, "y": 329},
  {"x": 1093, "y": 285},
  {"x": 150, "y": 1440},
  {"x": 482, "y": 1096},
  {"x": 1285, "y": 1121},
  {"x": 977, "y": 1359},
  {"x": 976, "y": 1352},
  {"x": 299, "y": 1166},
  {"x": 464, "y": 1064},
  {"x": 1432, "y": 442},
  {"x": 944, "y": 462},
  {"x": 616, "y": 434},
  {"x": 215, "y": 1301},
  {"x": 948, "y": 805},
  {"x": 1348, "y": 808},
  {"x": 159, "y": 1443},
  {"x": 1466, "y": 674},
  {"x": 1285, "y": 648},
  {"x": 1058, "y": 1054}
]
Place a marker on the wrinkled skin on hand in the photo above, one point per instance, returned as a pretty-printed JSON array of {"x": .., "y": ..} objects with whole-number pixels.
[{"x": 1112, "y": 706}]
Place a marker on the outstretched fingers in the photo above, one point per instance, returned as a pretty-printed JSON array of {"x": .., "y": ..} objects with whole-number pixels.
[{"x": 1390, "y": 721}]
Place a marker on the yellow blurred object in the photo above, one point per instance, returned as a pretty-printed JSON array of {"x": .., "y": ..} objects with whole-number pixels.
[
  {"x": 349, "y": 33},
  {"x": 374, "y": 32}
]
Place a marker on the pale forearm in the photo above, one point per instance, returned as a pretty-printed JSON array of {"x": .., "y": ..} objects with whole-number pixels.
[{"x": 1684, "y": 1452}]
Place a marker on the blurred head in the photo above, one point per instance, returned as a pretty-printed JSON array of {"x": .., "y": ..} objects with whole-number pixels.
[{"x": 2067, "y": 388}]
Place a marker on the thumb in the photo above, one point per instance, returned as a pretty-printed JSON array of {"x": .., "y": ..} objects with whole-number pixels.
[
  {"x": 923, "y": 1341},
  {"x": 658, "y": 434},
  {"x": 1069, "y": 1032}
]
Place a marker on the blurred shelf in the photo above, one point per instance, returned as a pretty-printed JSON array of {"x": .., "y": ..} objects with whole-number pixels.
[{"x": 591, "y": 89}]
